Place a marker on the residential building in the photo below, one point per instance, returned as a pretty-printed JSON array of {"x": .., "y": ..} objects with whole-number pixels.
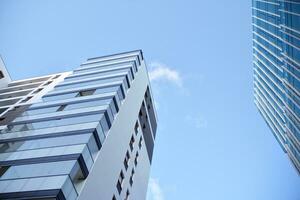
[{"x": 85, "y": 134}]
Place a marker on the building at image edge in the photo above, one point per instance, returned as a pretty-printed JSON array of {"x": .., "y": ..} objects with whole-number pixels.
[
  {"x": 276, "y": 61},
  {"x": 85, "y": 134}
]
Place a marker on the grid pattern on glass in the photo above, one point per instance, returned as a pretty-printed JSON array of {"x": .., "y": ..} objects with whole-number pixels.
[{"x": 276, "y": 61}]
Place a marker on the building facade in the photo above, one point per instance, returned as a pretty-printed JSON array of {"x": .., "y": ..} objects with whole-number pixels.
[
  {"x": 276, "y": 60},
  {"x": 86, "y": 134}
]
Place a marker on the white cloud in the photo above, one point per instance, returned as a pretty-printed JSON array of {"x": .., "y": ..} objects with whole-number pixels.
[
  {"x": 197, "y": 121},
  {"x": 162, "y": 72},
  {"x": 154, "y": 190}
]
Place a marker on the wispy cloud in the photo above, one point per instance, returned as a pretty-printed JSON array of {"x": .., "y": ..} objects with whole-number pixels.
[
  {"x": 154, "y": 190},
  {"x": 161, "y": 72},
  {"x": 196, "y": 121}
]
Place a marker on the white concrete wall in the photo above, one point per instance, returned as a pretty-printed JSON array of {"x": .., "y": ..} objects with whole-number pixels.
[{"x": 102, "y": 180}]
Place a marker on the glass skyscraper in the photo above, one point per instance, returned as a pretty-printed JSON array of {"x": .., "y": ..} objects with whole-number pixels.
[
  {"x": 86, "y": 134},
  {"x": 276, "y": 60}
]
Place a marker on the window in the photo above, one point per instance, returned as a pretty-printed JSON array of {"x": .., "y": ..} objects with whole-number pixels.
[
  {"x": 127, "y": 195},
  {"x": 55, "y": 77},
  {"x": 2, "y": 110},
  {"x": 1, "y": 75},
  {"x": 61, "y": 108},
  {"x": 131, "y": 177},
  {"x": 148, "y": 99},
  {"x": 26, "y": 99},
  {"x": 3, "y": 169},
  {"x": 85, "y": 93},
  {"x": 131, "y": 142},
  {"x": 136, "y": 128},
  {"x": 59, "y": 121},
  {"x": 37, "y": 91},
  {"x": 120, "y": 182},
  {"x": 126, "y": 160},
  {"x": 48, "y": 83},
  {"x": 140, "y": 142},
  {"x": 136, "y": 158}
]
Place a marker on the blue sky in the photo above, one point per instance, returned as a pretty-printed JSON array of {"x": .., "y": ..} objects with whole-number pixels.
[{"x": 212, "y": 143}]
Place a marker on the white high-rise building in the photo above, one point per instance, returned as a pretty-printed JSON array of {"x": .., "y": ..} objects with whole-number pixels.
[{"x": 86, "y": 134}]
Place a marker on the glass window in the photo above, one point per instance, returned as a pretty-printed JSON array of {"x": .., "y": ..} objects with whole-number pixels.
[
  {"x": 3, "y": 169},
  {"x": 37, "y": 91},
  {"x": 97, "y": 74},
  {"x": 1, "y": 74},
  {"x": 93, "y": 147},
  {"x": 61, "y": 108},
  {"x": 126, "y": 160},
  {"x": 55, "y": 122},
  {"x": 70, "y": 106},
  {"x": 140, "y": 142},
  {"x": 136, "y": 127},
  {"x": 131, "y": 177},
  {"x": 44, "y": 143},
  {"x": 112, "y": 66},
  {"x": 120, "y": 182},
  {"x": 34, "y": 184},
  {"x": 131, "y": 142},
  {"x": 136, "y": 158},
  {"x": 40, "y": 111},
  {"x": 78, "y": 179},
  {"x": 127, "y": 195},
  {"x": 40, "y": 153},
  {"x": 39, "y": 169},
  {"x": 90, "y": 82},
  {"x": 90, "y": 103},
  {"x": 59, "y": 97},
  {"x": 85, "y": 93}
]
